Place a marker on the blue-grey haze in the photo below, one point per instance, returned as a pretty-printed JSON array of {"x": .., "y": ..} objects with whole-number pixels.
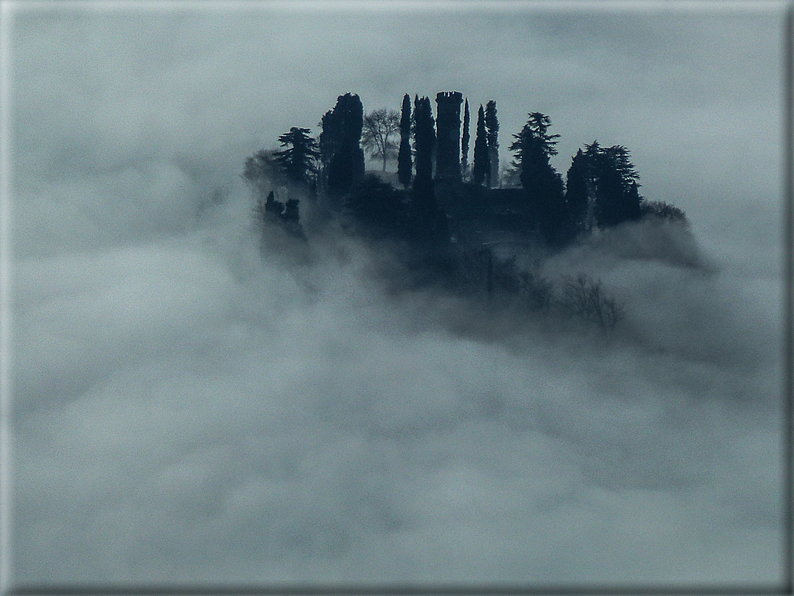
[{"x": 186, "y": 410}]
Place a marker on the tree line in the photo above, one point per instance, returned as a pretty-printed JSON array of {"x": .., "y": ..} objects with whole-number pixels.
[{"x": 600, "y": 190}]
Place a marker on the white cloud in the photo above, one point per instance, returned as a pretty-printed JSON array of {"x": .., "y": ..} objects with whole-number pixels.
[{"x": 185, "y": 409}]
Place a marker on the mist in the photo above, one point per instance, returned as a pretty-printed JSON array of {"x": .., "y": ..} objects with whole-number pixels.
[
  {"x": 213, "y": 413},
  {"x": 192, "y": 402}
]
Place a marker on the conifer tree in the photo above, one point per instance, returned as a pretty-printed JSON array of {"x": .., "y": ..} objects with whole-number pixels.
[
  {"x": 404, "y": 161},
  {"x": 482, "y": 164},
  {"x": 424, "y": 137},
  {"x": 428, "y": 221},
  {"x": 464, "y": 151},
  {"x": 578, "y": 189},
  {"x": 543, "y": 185},
  {"x": 298, "y": 162},
  {"x": 340, "y": 144},
  {"x": 329, "y": 141},
  {"x": 617, "y": 197},
  {"x": 492, "y": 127}
]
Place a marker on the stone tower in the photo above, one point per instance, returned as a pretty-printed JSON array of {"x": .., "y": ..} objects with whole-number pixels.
[{"x": 448, "y": 135}]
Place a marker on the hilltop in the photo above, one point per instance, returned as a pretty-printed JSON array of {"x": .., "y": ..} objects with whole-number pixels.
[{"x": 470, "y": 229}]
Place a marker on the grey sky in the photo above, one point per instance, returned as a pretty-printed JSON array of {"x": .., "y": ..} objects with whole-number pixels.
[
  {"x": 695, "y": 93},
  {"x": 186, "y": 410}
]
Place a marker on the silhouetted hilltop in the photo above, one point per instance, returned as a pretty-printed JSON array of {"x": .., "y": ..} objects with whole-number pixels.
[{"x": 459, "y": 226}]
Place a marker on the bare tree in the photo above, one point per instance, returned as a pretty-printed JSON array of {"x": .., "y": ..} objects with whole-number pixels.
[
  {"x": 379, "y": 126},
  {"x": 583, "y": 297}
]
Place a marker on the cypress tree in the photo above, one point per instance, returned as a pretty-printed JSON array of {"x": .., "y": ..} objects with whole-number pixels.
[
  {"x": 424, "y": 137},
  {"x": 404, "y": 162},
  {"x": 329, "y": 143},
  {"x": 492, "y": 127},
  {"x": 482, "y": 165},
  {"x": 343, "y": 142},
  {"x": 464, "y": 152},
  {"x": 428, "y": 222}
]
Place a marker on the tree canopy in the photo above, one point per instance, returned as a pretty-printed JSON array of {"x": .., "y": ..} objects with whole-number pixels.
[
  {"x": 533, "y": 147},
  {"x": 601, "y": 189},
  {"x": 298, "y": 161},
  {"x": 379, "y": 127},
  {"x": 340, "y": 144},
  {"x": 612, "y": 180}
]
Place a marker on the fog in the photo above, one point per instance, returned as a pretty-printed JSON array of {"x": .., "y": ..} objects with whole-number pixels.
[{"x": 190, "y": 407}]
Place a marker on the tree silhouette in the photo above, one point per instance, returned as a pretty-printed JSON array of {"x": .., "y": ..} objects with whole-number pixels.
[
  {"x": 340, "y": 144},
  {"x": 482, "y": 164},
  {"x": 533, "y": 147},
  {"x": 298, "y": 162},
  {"x": 578, "y": 190},
  {"x": 492, "y": 128},
  {"x": 534, "y": 136},
  {"x": 464, "y": 150},
  {"x": 427, "y": 221},
  {"x": 270, "y": 212},
  {"x": 617, "y": 197},
  {"x": 424, "y": 137},
  {"x": 601, "y": 189},
  {"x": 379, "y": 126},
  {"x": 404, "y": 161},
  {"x": 330, "y": 139}
]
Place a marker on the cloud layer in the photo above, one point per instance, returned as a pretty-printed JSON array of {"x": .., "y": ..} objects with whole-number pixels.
[{"x": 188, "y": 408}]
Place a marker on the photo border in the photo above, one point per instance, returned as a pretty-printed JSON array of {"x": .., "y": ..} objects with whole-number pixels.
[{"x": 8, "y": 588}]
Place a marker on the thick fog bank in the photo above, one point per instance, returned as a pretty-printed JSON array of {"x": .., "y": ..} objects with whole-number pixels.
[{"x": 188, "y": 407}]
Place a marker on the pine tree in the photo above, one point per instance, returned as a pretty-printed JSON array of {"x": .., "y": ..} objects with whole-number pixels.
[
  {"x": 492, "y": 127},
  {"x": 533, "y": 147},
  {"x": 535, "y": 134},
  {"x": 617, "y": 197},
  {"x": 404, "y": 161},
  {"x": 298, "y": 162},
  {"x": 464, "y": 152},
  {"x": 482, "y": 164}
]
